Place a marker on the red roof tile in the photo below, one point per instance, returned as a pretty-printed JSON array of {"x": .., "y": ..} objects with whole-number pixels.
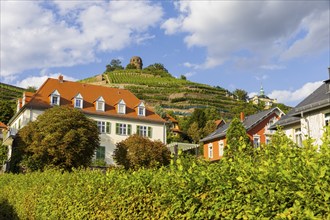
[{"x": 68, "y": 90}]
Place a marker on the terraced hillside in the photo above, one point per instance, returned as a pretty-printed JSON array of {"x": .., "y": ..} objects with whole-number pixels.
[
  {"x": 10, "y": 93},
  {"x": 179, "y": 95}
]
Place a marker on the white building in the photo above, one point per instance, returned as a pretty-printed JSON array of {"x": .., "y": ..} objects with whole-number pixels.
[
  {"x": 118, "y": 112},
  {"x": 309, "y": 117}
]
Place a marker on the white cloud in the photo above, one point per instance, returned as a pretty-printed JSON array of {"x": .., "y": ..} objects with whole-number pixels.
[
  {"x": 256, "y": 30},
  {"x": 316, "y": 39},
  {"x": 189, "y": 74},
  {"x": 272, "y": 67},
  {"x": 37, "y": 81},
  {"x": 66, "y": 33},
  {"x": 289, "y": 97}
]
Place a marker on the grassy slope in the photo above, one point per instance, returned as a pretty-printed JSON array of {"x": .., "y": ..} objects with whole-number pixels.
[
  {"x": 179, "y": 95},
  {"x": 10, "y": 93}
]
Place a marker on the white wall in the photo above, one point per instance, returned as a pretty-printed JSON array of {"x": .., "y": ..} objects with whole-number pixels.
[
  {"x": 109, "y": 141},
  {"x": 312, "y": 125}
]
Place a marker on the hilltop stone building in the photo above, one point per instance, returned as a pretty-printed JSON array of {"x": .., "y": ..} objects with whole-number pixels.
[{"x": 136, "y": 61}]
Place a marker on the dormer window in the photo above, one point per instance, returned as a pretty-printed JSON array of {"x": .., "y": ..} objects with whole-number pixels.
[
  {"x": 122, "y": 107},
  {"x": 141, "y": 109},
  {"x": 78, "y": 101},
  {"x": 100, "y": 104},
  {"x": 55, "y": 98}
]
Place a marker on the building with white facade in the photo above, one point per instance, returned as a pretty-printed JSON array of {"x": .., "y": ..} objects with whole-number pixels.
[
  {"x": 309, "y": 117},
  {"x": 117, "y": 112}
]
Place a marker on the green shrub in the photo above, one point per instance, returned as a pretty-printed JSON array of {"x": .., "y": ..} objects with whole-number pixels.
[{"x": 275, "y": 182}]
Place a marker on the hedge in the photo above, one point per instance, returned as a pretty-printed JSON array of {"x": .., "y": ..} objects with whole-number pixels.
[{"x": 275, "y": 182}]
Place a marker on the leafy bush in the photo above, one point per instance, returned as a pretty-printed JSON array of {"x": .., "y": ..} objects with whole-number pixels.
[
  {"x": 276, "y": 182},
  {"x": 137, "y": 151}
]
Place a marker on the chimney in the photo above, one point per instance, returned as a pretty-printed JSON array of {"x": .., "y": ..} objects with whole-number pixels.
[
  {"x": 242, "y": 116},
  {"x": 329, "y": 71},
  {"x": 60, "y": 78}
]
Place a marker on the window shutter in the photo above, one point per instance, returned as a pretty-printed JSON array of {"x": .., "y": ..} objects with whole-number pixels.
[
  {"x": 108, "y": 127},
  {"x": 129, "y": 129},
  {"x": 117, "y": 128},
  {"x": 150, "y": 132},
  {"x": 102, "y": 152}
]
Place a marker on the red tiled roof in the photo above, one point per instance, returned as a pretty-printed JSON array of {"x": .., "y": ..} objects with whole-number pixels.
[
  {"x": 2, "y": 125},
  {"x": 68, "y": 90}
]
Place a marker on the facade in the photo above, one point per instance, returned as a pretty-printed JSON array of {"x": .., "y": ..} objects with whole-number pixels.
[
  {"x": 257, "y": 127},
  {"x": 309, "y": 117},
  {"x": 263, "y": 98},
  {"x": 117, "y": 112}
]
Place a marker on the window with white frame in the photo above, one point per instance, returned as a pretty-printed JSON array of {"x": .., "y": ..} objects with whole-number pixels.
[
  {"x": 78, "y": 101},
  {"x": 55, "y": 98},
  {"x": 221, "y": 148},
  {"x": 267, "y": 139},
  {"x": 256, "y": 141},
  {"x": 298, "y": 136},
  {"x": 100, "y": 104},
  {"x": 144, "y": 131},
  {"x": 123, "y": 129},
  {"x": 141, "y": 109},
  {"x": 210, "y": 150},
  {"x": 122, "y": 107},
  {"x": 103, "y": 127},
  {"x": 327, "y": 119}
]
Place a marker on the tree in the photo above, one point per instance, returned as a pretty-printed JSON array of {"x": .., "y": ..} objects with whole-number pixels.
[
  {"x": 241, "y": 94},
  {"x": 198, "y": 116},
  {"x": 115, "y": 64},
  {"x": 236, "y": 136},
  {"x": 194, "y": 132},
  {"x": 209, "y": 127},
  {"x": 183, "y": 77},
  {"x": 136, "y": 152},
  {"x": 6, "y": 112},
  {"x": 61, "y": 137},
  {"x": 31, "y": 89},
  {"x": 130, "y": 66}
]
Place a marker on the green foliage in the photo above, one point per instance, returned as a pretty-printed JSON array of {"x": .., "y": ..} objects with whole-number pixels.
[
  {"x": 130, "y": 66},
  {"x": 237, "y": 137},
  {"x": 276, "y": 182},
  {"x": 160, "y": 111},
  {"x": 241, "y": 94},
  {"x": 136, "y": 152},
  {"x": 6, "y": 112},
  {"x": 31, "y": 89},
  {"x": 209, "y": 128},
  {"x": 3, "y": 153},
  {"x": 183, "y": 77},
  {"x": 115, "y": 64},
  {"x": 195, "y": 132},
  {"x": 198, "y": 116},
  {"x": 62, "y": 137}
]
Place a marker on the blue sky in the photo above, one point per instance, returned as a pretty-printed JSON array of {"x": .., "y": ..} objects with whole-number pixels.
[{"x": 282, "y": 45}]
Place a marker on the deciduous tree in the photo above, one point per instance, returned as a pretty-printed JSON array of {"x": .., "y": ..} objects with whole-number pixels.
[
  {"x": 62, "y": 137},
  {"x": 236, "y": 136}
]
